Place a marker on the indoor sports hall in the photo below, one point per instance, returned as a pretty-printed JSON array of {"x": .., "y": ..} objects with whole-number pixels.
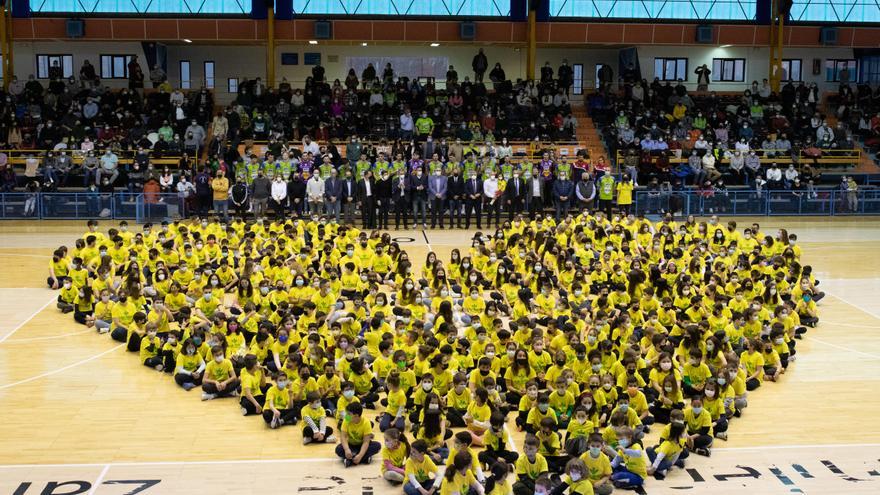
[{"x": 460, "y": 247}]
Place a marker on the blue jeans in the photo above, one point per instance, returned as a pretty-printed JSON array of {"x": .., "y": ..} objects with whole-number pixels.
[
  {"x": 665, "y": 464},
  {"x": 372, "y": 450},
  {"x": 409, "y": 489},
  {"x": 334, "y": 208},
  {"x": 420, "y": 204},
  {"x": 221, "y": 206},
  {"x": 622, "y": 477}
]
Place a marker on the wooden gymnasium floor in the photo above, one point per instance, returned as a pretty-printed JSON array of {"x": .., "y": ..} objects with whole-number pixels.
[{"x": 78, "y": 415}]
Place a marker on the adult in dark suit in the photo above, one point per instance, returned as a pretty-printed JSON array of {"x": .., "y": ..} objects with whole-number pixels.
[
  {"x": 417, "y": 184},
  {"x": 349, "y": 198},
  {"x": 401, "y": 198},
  {"x": 473, "y": 193},
  {"x": 455, "y": 195},
  {"x": 333, "y": 195},
  {"x": 383, "y": 199},
  {"x": 366, "y": 194},
  {"x": 563, "y": 190},
  {"x": 514, "y": 195},
  {"x": 296, "y": 192}
]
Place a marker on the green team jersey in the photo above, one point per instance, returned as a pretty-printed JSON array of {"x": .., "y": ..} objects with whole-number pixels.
[
  {"x": 381, "y": 167},
  {"x": 563, "y": 168},
  {"x": 507, "y": 170},
  {"x": 525, "y": 166},
  {"x": 397, "y": 166},
  {"x": 362, "y": 166},
  {"x": 285, "y": 168},
  {"x": 241, "y": 170},
  {"x": 325, "y": 169},
  {"x": 606, "y": 187},
  {"x": 424, "y": 125},
  {"x": 489, "y": 169},
  {"x": 469, "y": 166},
  {"x": 433, "y": 166},
  {"x": 252, "y": 169}
]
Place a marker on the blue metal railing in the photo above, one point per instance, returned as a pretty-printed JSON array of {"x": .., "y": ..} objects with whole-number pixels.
[{"x": 153, "y": 207}]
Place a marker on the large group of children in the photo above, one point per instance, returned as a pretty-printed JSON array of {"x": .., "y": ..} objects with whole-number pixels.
[{"x": 583, "y": 333}]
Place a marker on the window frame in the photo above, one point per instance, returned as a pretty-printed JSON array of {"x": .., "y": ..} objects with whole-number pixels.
[
  {"x": 49, "y": 57},
  {"x": 126, "y": 59},
  {"x": 577, "y": 83},
  {"x": 213, "y": 78},
  {"x": 854, "y": 73},
  {"x": 185, "y": 83},
  {"x": 800, "y": 70},
  {"x": 676, "y": 61},
  {"x": 718, "y": 73}
]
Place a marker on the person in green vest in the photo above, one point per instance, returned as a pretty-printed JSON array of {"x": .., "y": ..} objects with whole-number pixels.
[
  {"x": 489, "y": 169},
  {"x": 563, "y": 167},
  {"x": 325, "y": 168},
  {"x": 240, "y": 168},
  {"x": 606, "y": 193},
  {"x": 285, "y": 165},
  {"x": 525, "y": 167},
  {"x": 435, "y": 164},
  {"x": 270, "y": 166},
  {"x": 424, "y": 126},
  {"x": 381, "y": 165},
  {"x": 506, "y": 168},
  {"x": 166, "y": 131},
  {"x": 470, "y": 164},
  {"x": 362, "y": 166},
  {"x": 253, "y": 167},
  {"x": 398, "y": 164}
]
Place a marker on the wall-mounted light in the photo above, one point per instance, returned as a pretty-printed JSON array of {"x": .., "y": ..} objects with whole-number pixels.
[
  {"x": 313, "y": 42},
  {"x": 364, "y": 44},
  {"x": 187, "y": 40},
  {"x": 435, "y": 44}
]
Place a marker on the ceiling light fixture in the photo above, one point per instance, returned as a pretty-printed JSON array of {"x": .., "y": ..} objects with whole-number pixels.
[{"x": 313, "y": 42}]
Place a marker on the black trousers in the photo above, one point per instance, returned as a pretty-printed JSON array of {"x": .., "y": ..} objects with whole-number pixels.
[
  {"x": 455, "y": 212},
  {"x": 437, "y": 211},
  {"x": 368, "y": 212},
  {"x": 382, "y": 214},
  {"x": 475, "y": 206},
  {"x": 493, "y": 208},
  {"x": 514, "y": 207},
  {"x": 401, "y": 207}
]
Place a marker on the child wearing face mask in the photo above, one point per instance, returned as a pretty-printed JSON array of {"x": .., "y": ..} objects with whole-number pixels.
[
  {"x": 699, "y": 427},
  {"x": 529, "y": 468},
  {"x": 578, "y": 433},
  {"x": 629, "y": 469},
  {"x": 220, "y": 379},
  {"x": 431, "y": 427},
  {"x": 356, "y": 445},
  {"x": 395, "y": 404},
  {"x": 189, "y": 366},
  {"x": 498, "y": 442},
  {"x": 395, "y": 452},
  {"x": 672, "y": 447},
  {"x": 279, "y": 409},
  {"x": 598, "y": 466},
  {"x": 314, "y": 421}
]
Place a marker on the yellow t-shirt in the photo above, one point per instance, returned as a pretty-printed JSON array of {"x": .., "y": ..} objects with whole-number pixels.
[
  {"x": 357, "y": 431},
  {"x": 531, "y": 469}
]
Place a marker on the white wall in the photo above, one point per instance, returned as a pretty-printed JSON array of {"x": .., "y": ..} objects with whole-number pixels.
[
  {"x": 250, "y": 61},
  {"x": 757, "y": 62},
  {"x": 26, "y": 56}
]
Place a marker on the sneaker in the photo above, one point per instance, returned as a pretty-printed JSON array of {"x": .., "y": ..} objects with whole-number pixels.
[
  {"x": 207, "y": 396},
  {"x": 275, "y": 423},
  {"x": 330, "y": 439},
  {"x": 347, "y": 462},
  {"x": 703, "y": 452},
  {"x": 307, "y": 440},
  {"x": 159, "y": 367},
  {"x": 102, "y": 331},
  {"x": 679, "y": 463},
  {"x": 721, "y": 435},
  {"x": 244, "y": 411},
  {"x": 659, "y": 476},
  {"x": 188, "y": 386}
]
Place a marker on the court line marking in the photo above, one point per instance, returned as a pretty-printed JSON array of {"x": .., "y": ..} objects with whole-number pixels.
[
  {"x": 851, "y": 325},
  {"x": 29, "y": 318},
  {"x": 427, "y": 242},
  {"x": 24, "y": 255},
  {"x": 336, "y": 459},
  {"x": 863, "y": 310},
  {"x": 100, "y": 479},
  {"x": 59, "y": 370},
  {"x": 842, "y": 348},
  {"x": 50, "y": 337}
]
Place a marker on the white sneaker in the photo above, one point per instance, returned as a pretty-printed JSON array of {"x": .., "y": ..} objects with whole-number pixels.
[
  {"x": 243, "y": 411},
  {"x": 102, "y": 331},
  {"x": 207, "y": 396},
  {"x": 307, "y": 440},
  {"x": 275, "y": 423},
  {"x": 330, "y": 439}
]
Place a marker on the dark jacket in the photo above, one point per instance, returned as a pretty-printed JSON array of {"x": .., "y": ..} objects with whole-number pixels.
[
  {"x": 473, "y": 186},
  {"x": 361, "y": 189},
  {"x": 353, "y": 185},
  {"x": 455, "y": 187},
  {"x": 510, "y": 191},
  {"x": 296, "y": 189},
  {"x": 397, "y": 187},
  {"x": 333, "y": 187},
  {"x": 382, "y": 191},
  {"x": 413, "y": 182},
  {"x": 239, "y": 194}
]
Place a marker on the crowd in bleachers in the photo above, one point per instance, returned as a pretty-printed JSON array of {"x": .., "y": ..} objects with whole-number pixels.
[{"x": 759, "y": 138}]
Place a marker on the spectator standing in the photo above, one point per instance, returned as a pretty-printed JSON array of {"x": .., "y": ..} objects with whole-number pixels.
[
  {"x": 366, "y": 196},
  {"x": 400, "y": 194},
  {"x": 261, "y": 190},
  {"x": 279, "y": 196},
  {"x": 349, "y": 197},
  {"x": 220, "y": 191},
  {"x": 566, "y": 76},
  {"x": 702, "y": 73},
  {"x": 480, "y": 63},
  {"x": 562, "y": 193},
  {"x": 315, "y": 189},
  {"x": 417, "y": 184},
  {"x": 333, "y": 195},
  {"x": 240, "y": 197},
  {"x": 185, "y": 192},
  {"x": 437, "y": 188}
]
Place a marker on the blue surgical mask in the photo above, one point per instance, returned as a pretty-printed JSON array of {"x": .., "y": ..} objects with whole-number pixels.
[
  {"x": 697, "y": 411},
  {"x": 623, "y": 443},
  {"x": 595, "y": 451}
]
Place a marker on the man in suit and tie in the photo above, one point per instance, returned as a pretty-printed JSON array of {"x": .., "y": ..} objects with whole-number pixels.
[
  {"x": 401, "y": 197},
  {"x": 349, "y": 198},
  {"x": 437, "y": 188},
  {"x": 473, "y": 193},
  {"x": 563, "y": 190},
  {"x": 417, "y": 184},
  {"x": 515, "y": 193},
  {"x": 333, "y": 195},
  {"x": 383, "y": 198},
  {"x": 366, "y": 193},
  {"x": 455, "y": 195}
]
